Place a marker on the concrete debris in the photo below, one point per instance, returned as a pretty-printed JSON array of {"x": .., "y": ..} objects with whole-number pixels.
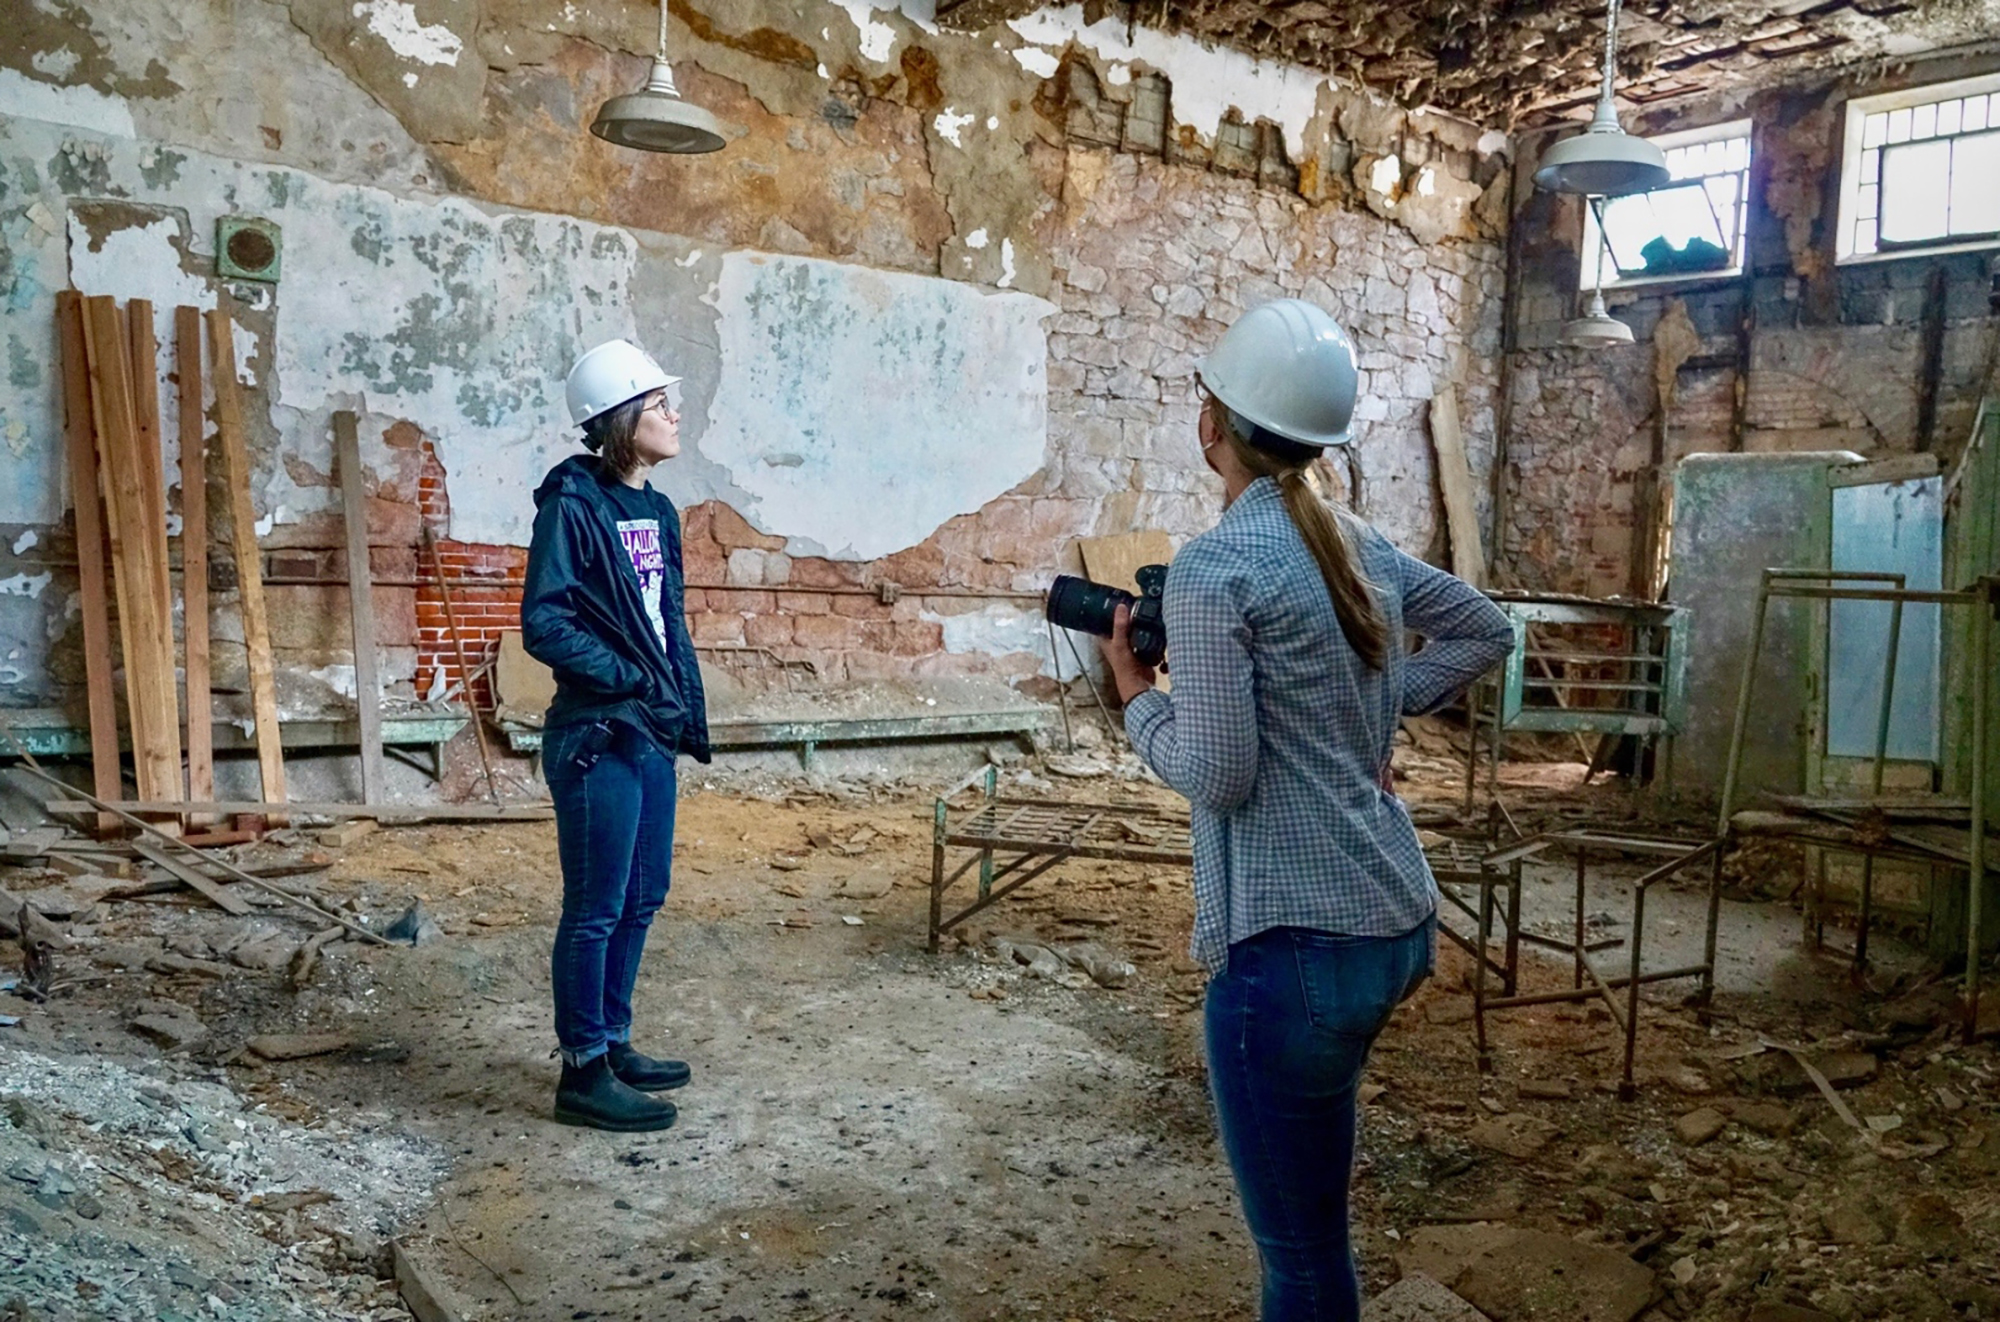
[
  {"x": 173, "y": 1032},
  {"x": 1095, "y": 963},
  {"x": 297, "y": 1046},
  {"x": 1418, "y": 1298},
  {"x": 1535, "y": 1276},
  {"x": 415, "y": 926},
  {"x": 1514, "y": 1135},
  {"x": 1699, "y": 1126},
  {"x": 264, "y": 952}
]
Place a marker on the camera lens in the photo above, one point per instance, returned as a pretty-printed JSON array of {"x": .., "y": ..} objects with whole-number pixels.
[{"x": 1086, "y": 607}]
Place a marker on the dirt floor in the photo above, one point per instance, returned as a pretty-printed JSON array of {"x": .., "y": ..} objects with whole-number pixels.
[{"x": 989, "y": 1133}]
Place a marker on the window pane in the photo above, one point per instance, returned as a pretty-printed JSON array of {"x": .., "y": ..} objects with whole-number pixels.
[
  {"x": 1915, "y": 191},
  {"x": 1948, "y": 113},
  {"x": 1738, "y": 155},
  {"x": 1923, "y": 121},
  {"x": 1874, "y": 130},
  {"x": 1899, "y": 126},
  {"x": 1975, "y": 184},
  {"x": 1871, "y": 163},
  {"x": 1865, "y": 202},
  {"x": 1975, "y": 114},
  {"x": 1670, "y": 230}
]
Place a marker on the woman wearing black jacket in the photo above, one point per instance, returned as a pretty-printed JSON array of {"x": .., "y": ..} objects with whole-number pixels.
[{"x": 602, "y": 607}]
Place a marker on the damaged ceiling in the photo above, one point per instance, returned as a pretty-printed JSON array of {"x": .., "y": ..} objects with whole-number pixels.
[{"x": 1516, "y": 61}]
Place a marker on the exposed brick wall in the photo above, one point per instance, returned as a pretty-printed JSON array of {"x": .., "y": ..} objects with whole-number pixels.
[{"x": 483, "y": 612}]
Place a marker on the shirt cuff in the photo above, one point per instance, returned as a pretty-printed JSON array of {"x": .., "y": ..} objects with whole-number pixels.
[{"x": 1143, "y": 714}]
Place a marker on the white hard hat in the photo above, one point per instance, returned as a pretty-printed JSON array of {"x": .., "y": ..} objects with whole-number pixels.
[
  {"x": 610, "y": 374},
  {"x": 1288, "y": 367}
]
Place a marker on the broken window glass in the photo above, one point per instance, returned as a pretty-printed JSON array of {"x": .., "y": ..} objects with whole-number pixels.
[{"x": 1693, "y": 226}]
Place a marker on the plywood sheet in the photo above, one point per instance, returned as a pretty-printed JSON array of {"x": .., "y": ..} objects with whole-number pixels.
[{"x": 1117, "y": 560}]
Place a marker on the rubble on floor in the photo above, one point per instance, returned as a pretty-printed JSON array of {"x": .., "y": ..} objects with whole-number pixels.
[
  {"x": 160, "y": 1194},
  {"x": 196, "y": 1120}
]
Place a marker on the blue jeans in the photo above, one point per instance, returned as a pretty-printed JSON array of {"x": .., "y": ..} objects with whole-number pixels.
[
  {"x": 614, "y": 796},
  {"x": 1290, "y": 1022}
]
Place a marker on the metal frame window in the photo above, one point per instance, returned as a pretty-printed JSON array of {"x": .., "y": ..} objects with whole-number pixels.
[
  {"x": 1692, "y": 228},
  {"x": 1922, "y": 170}
]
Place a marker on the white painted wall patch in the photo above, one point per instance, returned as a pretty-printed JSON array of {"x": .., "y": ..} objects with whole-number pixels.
[
  {"x": 395, "y": 22},
  {"x": 948, "y": 123},
  {"x": 26, "y": 585}
]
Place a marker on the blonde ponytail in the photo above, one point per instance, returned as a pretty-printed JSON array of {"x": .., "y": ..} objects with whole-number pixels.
[{"x": 1288, "y": 462}]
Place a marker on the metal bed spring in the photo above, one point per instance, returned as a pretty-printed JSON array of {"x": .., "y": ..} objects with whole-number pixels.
[{"x": 1016, "y": 839}]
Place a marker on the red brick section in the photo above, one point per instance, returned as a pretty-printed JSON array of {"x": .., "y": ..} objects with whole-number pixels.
[
  {"x": 483, "y": 611},
  {"x": 837, "y": 634}
]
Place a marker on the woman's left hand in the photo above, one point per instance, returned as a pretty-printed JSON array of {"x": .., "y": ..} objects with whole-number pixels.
[{"x": 1132, "y": 676}]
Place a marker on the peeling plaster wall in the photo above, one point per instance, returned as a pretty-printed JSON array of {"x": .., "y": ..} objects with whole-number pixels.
[
  {"x": 1834, "y": 353},
  {"x": 920, "y": 270},
  {"x": 858, "y": 410}
]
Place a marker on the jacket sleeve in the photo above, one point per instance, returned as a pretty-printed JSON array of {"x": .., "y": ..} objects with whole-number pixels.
[
  {"x": 1465, "y": 633},
  {"x": 1202, "y": 738},
  {"x": 551, "y": 628}
]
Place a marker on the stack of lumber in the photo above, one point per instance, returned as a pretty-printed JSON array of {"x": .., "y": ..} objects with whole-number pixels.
[{"x": 111, "y": 393}]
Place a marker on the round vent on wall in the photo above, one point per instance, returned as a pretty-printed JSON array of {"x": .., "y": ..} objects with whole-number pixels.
[{"x": 247, "y": 248}]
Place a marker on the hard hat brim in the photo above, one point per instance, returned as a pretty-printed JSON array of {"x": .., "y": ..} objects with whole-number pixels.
[{"x": 1223, "y": 392}]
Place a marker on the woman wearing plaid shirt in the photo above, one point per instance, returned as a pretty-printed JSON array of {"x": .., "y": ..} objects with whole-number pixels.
[{"x": 1314, "y": 909}]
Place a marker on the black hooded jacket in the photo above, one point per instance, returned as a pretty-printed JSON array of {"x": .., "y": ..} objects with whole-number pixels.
[{"x": 582, "y": 616}]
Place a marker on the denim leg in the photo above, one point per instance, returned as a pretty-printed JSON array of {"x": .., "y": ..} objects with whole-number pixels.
[
  {"x": 597, "y": 796},
  {"x": 1289, "y": 1025},
  {"x": 652, "y": 864}
]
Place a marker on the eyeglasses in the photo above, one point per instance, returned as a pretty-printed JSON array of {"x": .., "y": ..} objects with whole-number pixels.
[{"x": 660, "y": 406}]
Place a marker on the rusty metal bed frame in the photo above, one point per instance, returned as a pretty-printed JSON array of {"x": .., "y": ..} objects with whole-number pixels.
[
  {"x": 1013, "y": 840},
  {"x": 1501, "y": 868},
  {"x": 1016, "y": 839},
  {"x": 1843, "y": 825}
]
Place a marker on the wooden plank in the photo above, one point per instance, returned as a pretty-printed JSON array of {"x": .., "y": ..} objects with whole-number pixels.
[
  {"x": 89, "y": 507},
  {"x": 361, "y": 603},
  {"x": 148, "y": 453},
  {"x": 249, "y": 569},
  {"x": 1894, "y": 468},
  {"x": 194, "y": 556},
  {"x": 382, "y": 812},
  {"x": 213, "y": 892},
  {"x": 145, "y": 630},
  {"x": 1468, "y": 556}
]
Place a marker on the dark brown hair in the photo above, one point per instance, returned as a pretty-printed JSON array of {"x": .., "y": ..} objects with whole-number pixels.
[
  {"x": 612, "y": 434},
  {"x": 1268, "y": 454}
]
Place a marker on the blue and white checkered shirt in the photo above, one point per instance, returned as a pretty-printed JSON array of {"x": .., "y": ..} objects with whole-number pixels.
[{"x": 1277, "y": 731}]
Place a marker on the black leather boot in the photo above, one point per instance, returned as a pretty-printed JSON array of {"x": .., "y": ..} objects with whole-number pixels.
[
  {"x": 637, "y": 1071},
  {"x": 592, "y": 1096}
]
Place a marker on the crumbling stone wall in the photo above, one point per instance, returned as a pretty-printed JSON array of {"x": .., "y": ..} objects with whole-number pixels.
[
  {"x": 994, "y": 160},
  {"x": 1826, "y": 356}
]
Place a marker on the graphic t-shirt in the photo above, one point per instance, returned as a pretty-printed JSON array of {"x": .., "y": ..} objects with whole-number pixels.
[{"x": 639, "y": 531}]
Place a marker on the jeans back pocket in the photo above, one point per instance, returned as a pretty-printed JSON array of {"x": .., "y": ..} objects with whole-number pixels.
[{"x": 1350, "y": 984}]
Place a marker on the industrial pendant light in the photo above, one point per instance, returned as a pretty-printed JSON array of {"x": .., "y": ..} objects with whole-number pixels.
[
  {"x": 1596, "y": 328},
  {"x": 1604, "y": 160},
  {"x": 654, "y": 118}
]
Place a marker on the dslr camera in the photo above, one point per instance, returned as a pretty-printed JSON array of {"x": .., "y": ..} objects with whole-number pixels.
[{"x": 1087, "y": 607}]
